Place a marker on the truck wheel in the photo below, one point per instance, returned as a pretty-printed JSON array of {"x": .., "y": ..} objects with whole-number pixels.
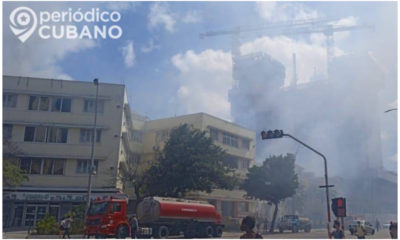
[
  {"x": 163, "y": 232},
  {"x": 307, "y": 229},
  {"x": 218, "y": 231},
  {"x": 294, "y": 229},
  {"x": 208, "y": 231},
  {"x": 122, "y": 231},
  {"x": 281, "y": 230}
]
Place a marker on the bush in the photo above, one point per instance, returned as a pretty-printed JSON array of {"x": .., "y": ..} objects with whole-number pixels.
[{"x": 48, "y": 225}]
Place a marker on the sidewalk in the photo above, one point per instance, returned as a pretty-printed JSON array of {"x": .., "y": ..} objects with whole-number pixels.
[{"x": 24, "y": 235}]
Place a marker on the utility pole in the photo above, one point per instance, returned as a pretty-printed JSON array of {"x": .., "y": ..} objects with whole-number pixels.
[
  {"x": 279, "y": 134},
  {"x": 92, "y": 170}
]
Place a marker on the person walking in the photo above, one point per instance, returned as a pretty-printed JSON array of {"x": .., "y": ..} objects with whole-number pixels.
[
  {"x": 67, "y": 226},
  {"x": 360, "y": 231},
  {"x": 337, "y": 232},
  {"x": 61, "y": 228},
  {"x": 377, "y": 225},
  {"x": 393, "y": 230},
  {"x": 134, "y": 226},
  {"x": 248, "y": 224}
]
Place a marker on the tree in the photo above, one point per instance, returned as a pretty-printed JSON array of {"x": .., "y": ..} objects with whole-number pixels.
[
  {"x": 12, "y": 174},
  {"x": 134, "y": 173},
  {"x": 189, "y": 162},
  {"x": 274, "y": 181}
]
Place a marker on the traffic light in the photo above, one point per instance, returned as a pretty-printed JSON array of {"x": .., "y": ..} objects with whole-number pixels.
[
  {"x": 339, "y": 207},
  {"x": 271, "y": 134}
]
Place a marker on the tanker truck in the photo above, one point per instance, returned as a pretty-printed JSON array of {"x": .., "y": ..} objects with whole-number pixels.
[
  {"x": 158, "y": 217},
  {"x": 172, "y": 216}
]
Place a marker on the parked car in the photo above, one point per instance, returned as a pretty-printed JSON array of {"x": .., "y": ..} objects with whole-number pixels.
[
  {"x": 294, "y": 223},
  {"x": 367, "y": 225}
]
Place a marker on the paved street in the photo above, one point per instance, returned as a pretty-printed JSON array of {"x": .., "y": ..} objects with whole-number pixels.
[{"x": 314, "y": 234}]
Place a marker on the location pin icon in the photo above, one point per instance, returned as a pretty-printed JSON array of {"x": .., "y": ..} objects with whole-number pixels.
[{"x": 23, "y": 22}]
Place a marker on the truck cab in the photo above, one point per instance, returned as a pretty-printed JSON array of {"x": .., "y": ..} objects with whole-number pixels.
[{"x": 107, "y": 217}]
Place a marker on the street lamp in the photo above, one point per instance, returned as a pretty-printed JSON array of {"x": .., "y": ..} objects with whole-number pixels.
[
  {"x": 92, "y": 170},
  {"x": 279, "y": 134},
  {"x": 392, "y": 109}
]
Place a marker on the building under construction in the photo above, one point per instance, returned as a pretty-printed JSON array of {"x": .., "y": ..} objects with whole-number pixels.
[{"x": 338, "y": 115}]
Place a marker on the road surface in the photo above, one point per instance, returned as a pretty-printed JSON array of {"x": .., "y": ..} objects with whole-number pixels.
[{"x": 314, "y": 234}]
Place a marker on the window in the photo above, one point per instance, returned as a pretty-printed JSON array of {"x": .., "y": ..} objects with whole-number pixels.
[
  {"x": 39, "y": 103},
  {"x": 54, "y": 211},
  {"x": 136, "y": 136},
  {"x": 84, "y": 165},
  {"x": 87, "y": 135},
  {"x": 57, "y": 104},
  {"x": 36, "y": 166},
  {"x": 61, "y": 104},
  {"x": 230, "y": 140},
  {"x": 134, "y": 158},
  {"x": 57, "y": 135},
  {"x": 7, "y": 131},
  {"x": 45, "y": 166},
  {"x": 40, "y": 134},
  {"x": 116, "y": 207},
  {"x": 9, "y": 100},
  {"x": 245, "y": 143},
  {"x": 231, "y": 162},
  {"x": 46, "y": 134},
  {"x": 244, "y": 164},
  {"x": 214, "y": 134},
  {"x": 89, "y": 105},
  {"x": 244, "y": 206}
]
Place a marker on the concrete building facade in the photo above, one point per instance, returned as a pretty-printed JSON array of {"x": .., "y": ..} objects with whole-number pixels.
[
  {"x": 238, "y": 142},
  {"x": 50, "y": 123}
]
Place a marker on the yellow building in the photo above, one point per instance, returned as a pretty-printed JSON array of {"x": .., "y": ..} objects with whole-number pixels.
[
  {"x": 238, "y": 142},
  {"x": 50, "y": 122}
]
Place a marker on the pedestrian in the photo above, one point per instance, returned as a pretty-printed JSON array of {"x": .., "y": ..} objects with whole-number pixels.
[
  {"x": 337, "y": 232},
  {"x": 67, "y": 226},
  {"x": 360, "y": 231},
  {"x": 134, "y": 226},
  {"x": 377, "y": 225},
  {"x": 393, "y": 230},
  {"x": 247, "y": 225},
  {"x": 61, "y": 228}
]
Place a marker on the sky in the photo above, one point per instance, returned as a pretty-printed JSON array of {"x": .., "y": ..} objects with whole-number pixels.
[{"x": 169, "y": 70}]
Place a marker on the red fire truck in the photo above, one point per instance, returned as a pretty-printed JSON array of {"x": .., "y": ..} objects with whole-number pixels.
[{"x": 158, "y": 217}]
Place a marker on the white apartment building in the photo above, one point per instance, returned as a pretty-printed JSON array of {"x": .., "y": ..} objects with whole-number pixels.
[{"x": 50, "y": 123}]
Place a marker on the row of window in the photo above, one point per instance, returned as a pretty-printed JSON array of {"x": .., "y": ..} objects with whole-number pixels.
[
  {"x": 229, "y": 139},
  {"x": 51, "y": 134},
  {"x": 135, "y": 135},
  {"x": 53, "y": 104},
  {"x": 237, "y": 162},
  {"x": 48, "y": 166}
]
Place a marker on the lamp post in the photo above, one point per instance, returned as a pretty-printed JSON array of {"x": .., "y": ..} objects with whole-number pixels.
[
  {"x": 92, "y": 170},
  {"x": 392, "y": 109},
  {"x": 279, "y": 134}
]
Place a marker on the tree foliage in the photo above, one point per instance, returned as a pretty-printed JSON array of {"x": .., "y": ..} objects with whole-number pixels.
[
  {"x": 135, "y": 173},
  {"x": 12, "y": 175},
  {"x": 274, "y": 181},
  {"x": 189, "y": 162},
  {"x": 48, "y": 225}
]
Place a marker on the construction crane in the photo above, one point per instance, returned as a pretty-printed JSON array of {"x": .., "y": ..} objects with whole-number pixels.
[{"x": 325, "y": 26}]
